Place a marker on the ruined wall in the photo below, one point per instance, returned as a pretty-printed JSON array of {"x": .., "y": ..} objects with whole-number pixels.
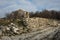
[{"x": 39, "y": 22}]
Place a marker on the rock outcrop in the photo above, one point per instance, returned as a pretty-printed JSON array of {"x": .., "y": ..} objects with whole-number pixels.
[{"x": 50, "y": 33}]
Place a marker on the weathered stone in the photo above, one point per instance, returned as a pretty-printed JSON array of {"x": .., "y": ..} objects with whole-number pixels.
[{"x": 6, "y": 38}]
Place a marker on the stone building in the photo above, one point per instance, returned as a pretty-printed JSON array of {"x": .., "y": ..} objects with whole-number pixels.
[
  {"x": 26, "y": 15},
  {"x": 23, "y": 13}
]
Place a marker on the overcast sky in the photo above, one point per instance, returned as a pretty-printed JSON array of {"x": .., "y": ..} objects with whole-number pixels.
[{"x": 28, "y": 5}]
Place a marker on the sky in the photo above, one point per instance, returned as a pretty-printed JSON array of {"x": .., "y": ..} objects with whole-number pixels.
[{"x": 7, "y": 6}]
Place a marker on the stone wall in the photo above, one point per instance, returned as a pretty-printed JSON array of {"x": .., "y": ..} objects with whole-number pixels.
[{"x": 35, "y": 23}]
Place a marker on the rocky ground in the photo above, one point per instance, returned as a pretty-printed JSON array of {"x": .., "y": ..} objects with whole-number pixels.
[
  {"x": 49, "y": 33},
  {"x": 31, "y": 30}
]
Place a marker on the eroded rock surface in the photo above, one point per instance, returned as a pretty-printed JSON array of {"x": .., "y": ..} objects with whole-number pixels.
[{"x": 50, "y": 33}]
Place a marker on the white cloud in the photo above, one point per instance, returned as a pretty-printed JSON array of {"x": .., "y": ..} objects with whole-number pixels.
[
  {"x": 46, "y": 3},
  {"x": 54, "y": 8},
  {"x": 11, "y": 5},
  {"x": 27, "y": 5},
  {"x": 22, "y": 4}
]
